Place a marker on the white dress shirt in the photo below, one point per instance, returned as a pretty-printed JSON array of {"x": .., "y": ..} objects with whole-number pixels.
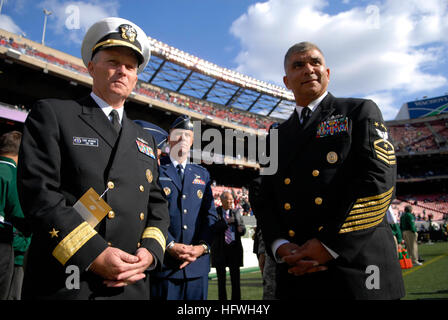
[{"x": 107, "y": 108}]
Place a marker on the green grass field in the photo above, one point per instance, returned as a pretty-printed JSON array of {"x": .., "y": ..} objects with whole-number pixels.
[{"x": 429, "y": 281}]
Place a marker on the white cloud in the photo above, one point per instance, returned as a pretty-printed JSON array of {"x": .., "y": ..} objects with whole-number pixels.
[
  {"x": 8, "y": 24},
  {"x": 73, "y": 18},
  {"x": 370, "y": 49},
  {"x": 386, "y": 102}
]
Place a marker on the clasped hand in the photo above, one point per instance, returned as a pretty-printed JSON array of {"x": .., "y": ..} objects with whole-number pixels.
[
  {"x": 308, "y": 258},
  {"x": 186, "y": 253},
  {"x": 119, "y": 268}
]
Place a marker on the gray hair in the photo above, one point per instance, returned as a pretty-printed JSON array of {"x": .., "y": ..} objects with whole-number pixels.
[
  {"x": 300, "y": 47},
  {"x": 224, "y": 193}
]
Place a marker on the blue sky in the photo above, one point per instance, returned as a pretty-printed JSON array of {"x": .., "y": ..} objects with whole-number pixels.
[{"x": 391, "y": 51}]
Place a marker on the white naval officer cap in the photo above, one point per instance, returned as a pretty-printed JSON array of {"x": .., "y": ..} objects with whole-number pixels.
[{"x": 112, "y": 32}]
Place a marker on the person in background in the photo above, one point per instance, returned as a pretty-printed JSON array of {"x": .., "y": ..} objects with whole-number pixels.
[
  {"x": 395, "y": 227},
  {"x": 227, "y": 249},
  {"x": 187, "y": 188},
  {"x": 11, "y": 215},
  {"x": 410, "y": 235}
]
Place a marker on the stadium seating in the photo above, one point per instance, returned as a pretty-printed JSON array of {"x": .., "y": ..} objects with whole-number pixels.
[
  {"x": 420, "y": 137},
  {"x": 423, "y": 206},
  {"x": 201, "y": 106}
]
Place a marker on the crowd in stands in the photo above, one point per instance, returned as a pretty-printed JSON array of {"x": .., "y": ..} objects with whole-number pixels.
[
  {"x": 423, "y": 172},
  {"x": 201, "y": 106},
  {"x": 419, "y": 137},
  {"x": 240, "y": 196},
  {"x": 425, "y": 207}
]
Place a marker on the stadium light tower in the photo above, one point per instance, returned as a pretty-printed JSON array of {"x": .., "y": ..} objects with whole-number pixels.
[{"x": 46, "y": 13}]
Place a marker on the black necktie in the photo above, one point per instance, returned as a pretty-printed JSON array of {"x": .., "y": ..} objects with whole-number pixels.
[
  {"x": 115, "y": 120},
  {"x": 180, "y": 171},
  {"x": 306, "y": 115}
]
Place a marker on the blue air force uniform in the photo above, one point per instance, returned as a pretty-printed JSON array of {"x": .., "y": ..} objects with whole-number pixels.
[{"x": 192, "y": 220}]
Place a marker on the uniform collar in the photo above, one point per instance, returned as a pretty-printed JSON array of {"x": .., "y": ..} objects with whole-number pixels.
[
  {"x": 312, "y": 105},
  {"x": 175, "y": 163},
  {"x": 106, "y": 107},
  {"x": 9, "y": 160}
]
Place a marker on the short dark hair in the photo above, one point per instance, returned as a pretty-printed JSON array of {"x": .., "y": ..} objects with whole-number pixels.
[
  {"x": 300, "y": 47},
  {"x": 10, "y": 143},
  {"x": 408, "y": 209}
]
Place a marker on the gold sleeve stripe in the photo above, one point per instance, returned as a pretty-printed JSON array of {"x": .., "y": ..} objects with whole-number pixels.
[
  {"x": 376, "y": 197},
  {"x": 369, "y": 214},
  {"x": 362, "y": 227},
  {"x": 73, "y": 242},
  {"x": 372, "y": 205},
  {"x": 155, "y": 233},
  {"x": 375, "y": 215}
]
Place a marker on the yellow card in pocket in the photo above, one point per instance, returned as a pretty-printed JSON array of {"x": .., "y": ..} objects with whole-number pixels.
[{"x": 92, "y": 207}]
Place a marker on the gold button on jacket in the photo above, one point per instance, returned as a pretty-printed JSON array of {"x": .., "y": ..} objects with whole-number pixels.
[{"x": 111, "y": 214}]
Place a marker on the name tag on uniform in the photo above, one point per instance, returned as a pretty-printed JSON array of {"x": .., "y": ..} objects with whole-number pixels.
[
  {"x": 332, "y": 127},
  {"x": 89, "y": 142},
  {"x": 92, "y": 207},
  {"x": 145, "y": 149}
]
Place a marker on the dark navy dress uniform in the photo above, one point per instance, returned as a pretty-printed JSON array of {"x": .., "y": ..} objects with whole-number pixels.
[
  {"x": 335, "y": 180},
  {"x": 193, "y": 216},
  {"x": 70, "y": 146}
]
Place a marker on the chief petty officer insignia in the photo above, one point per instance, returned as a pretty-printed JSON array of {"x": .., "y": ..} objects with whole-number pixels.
[
  {"x": 384, "y": 150},
  {"x": 128, "y": 32}
]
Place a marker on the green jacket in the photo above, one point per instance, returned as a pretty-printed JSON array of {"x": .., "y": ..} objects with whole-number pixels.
[
  {"x": 396, "y": 232},
  {"x": 407, "y": 222},
  {"x": 9, "y": 199},
  {"x": 10, "y": 211}
]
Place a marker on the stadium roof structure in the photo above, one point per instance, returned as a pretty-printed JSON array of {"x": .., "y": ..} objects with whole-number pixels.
[{"x": 181, "y": 72}]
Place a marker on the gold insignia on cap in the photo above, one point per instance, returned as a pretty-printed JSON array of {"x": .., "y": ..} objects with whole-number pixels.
[
  {"x": 167, "y": 191},
  {"x": 291, "y": 233},
  {"x": 332, "y": 157},
  {"x": 128, "y": 32},
  {"x": 54, "y": 233},
  {"x": 149, "y": 176},
  {"x": 200, "y": 194}
]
